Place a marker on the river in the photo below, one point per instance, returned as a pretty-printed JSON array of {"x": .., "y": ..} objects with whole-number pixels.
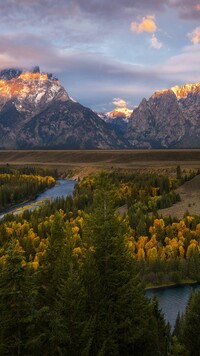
[
  {"x": 63, "y": 187},
  {"x": 172, "y": 299}
]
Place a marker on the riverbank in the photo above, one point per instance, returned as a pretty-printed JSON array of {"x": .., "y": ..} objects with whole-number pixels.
[
  {"x": 63, "y": 187},
  {"x": 184, "y": 282},
  {"x": 14, "y": 207}
]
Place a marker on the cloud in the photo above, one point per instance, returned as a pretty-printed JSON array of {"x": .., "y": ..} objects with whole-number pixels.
[
  {"x": 146, "y": 25},
  {"x": 181, "y": 68},
  {"x": 187, "y": 9},
  {"x": 194, "y": 36},
  {"x": 119, "y": 102},
  {"x": 26, "y": 50},
  {"x": 118, "y": 79},
  {"x": 61, "y": 10},
  {"x": 155, "y": 43}
]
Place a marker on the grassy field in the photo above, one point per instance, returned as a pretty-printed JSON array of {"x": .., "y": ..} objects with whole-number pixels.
[{"x": 83, "y": 162}]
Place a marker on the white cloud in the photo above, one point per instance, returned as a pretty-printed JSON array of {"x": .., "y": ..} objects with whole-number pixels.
[{"x": 155, "y": 43}]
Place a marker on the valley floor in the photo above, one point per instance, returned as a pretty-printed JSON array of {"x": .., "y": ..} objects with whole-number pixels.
[{"x": 83, "y": 162}]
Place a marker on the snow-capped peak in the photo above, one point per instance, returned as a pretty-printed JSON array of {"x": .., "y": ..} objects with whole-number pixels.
[{"x": 121, "y": 112}]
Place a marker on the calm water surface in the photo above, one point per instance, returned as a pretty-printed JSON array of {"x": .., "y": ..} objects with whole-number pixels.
[
  {"x": 172, "y": 300},
  {"x": 63, "y": 187}
]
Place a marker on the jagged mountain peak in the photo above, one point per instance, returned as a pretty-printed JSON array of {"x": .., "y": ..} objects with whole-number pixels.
[
  {"x": 162, "y": 92},
  {"x": 30, "y": 91},
  {"x": 169, "y": 118},
  {"x": 10, "y": 73},
  {"x": 180, "y": 91},
  {"x": 36, "y": 69},
  {"x": 117, "y": 119},
  {"x": 122, "y": 112},
  {"x": 184, "y": 90},
  {"x": 37, "y": 112}
]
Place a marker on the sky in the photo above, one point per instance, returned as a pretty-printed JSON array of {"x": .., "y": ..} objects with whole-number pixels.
[{"x": 106, "y": 53}]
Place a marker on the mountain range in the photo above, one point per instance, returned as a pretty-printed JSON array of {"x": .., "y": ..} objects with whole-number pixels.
[{"x": 36, "y": 112}]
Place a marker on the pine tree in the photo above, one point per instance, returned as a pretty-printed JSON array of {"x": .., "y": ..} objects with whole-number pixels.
[
  {"x": 191, "y": 325},
  {"x": 121, "y": 310},
  {"x": 48, "y": 279},
  {"x": 69, "y": 325},
  {"x": 15, "y": 301}
]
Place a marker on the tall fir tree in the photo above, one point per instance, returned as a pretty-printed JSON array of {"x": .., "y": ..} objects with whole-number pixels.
[
  {"x": 191, "y": 324},
  {"x": 121, "y": 310},
  {"x": 42, "y": 332},
  {"x": 15, "y": 301}
]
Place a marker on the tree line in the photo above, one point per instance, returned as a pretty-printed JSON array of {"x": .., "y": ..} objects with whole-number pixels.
[{"x": 17, "y": 186}]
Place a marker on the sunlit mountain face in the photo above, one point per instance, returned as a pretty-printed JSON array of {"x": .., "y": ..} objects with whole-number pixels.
[
  {"x": 37, "y": 112},
  {"x": 122, "y": 112},
  {"x": 117, "y": 119},
  {"x": 170, "y": 118},
  {"x": 28, "y": 91}
]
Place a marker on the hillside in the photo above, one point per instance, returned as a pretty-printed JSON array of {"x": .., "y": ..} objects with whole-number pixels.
[{"x": 190, "y": 200}]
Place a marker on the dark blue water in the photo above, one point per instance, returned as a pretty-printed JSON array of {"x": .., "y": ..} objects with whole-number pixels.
[{"x": 172, "y": 299}]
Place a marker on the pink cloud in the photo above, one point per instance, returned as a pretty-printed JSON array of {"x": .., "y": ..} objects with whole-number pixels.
[
  {"x": 194, "y": 36},
  {"x": 119, "y": 102}
]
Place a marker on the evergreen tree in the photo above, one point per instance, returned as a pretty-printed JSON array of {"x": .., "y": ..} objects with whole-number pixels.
[
  {"x": 42, "y": 332},
  {"x": 122, "y": 312},
  {"x": 69, "y": 324},
  {"x": 191, "y": 325},
  {"x": 178, "y": 325},
  {"x": 178, "y": 172},
  {"x": 15, "y": 301}
]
